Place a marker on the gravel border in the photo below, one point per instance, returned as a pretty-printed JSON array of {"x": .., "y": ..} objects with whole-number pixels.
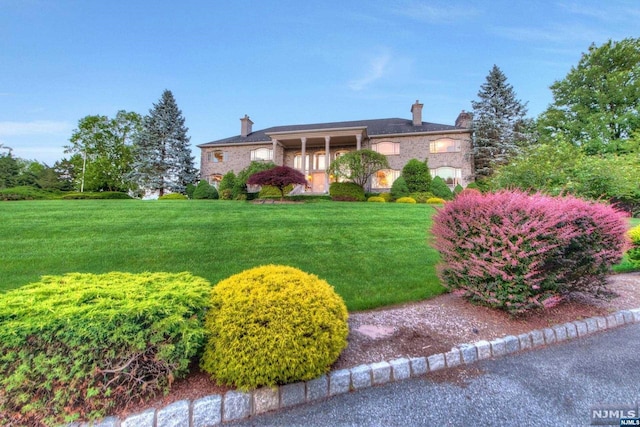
[{"x": 234, "y": 405}]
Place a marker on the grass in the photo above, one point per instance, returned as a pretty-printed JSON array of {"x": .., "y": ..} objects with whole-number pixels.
[{"x": 373, "y": 254}]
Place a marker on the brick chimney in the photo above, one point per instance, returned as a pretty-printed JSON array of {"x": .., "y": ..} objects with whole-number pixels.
[
  {"x": 416, "y": 110},
  {"x": 245, "y": 127},
  {"x": 464, "y": 120}
]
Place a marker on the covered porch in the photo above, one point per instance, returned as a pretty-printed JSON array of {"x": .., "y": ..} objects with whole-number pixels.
[{"x": 312, "y": 151}]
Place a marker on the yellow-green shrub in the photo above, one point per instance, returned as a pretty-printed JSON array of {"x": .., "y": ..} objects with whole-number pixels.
[
  {"x": 173, "y": 196},
  {"x": 406, "y": 200},
  {"x": 634, "y": 252},
  {"x": 77, "y": 345},
  {"x": 376, "y": 199},
  {"x": 435, "y": 201},
  {"x": 273, "y": 325},
  {"x": 386, "y": 196}
]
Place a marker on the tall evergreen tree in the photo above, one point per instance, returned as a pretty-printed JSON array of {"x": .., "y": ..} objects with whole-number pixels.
[
  {"x": 500, "y": 127},
  {"x": 163, "y": 160}
]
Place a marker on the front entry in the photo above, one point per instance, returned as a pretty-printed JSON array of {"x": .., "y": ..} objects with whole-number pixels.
[{"x": 317, "y": 182}]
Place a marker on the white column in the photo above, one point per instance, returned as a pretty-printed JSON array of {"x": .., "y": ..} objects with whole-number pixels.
[
  {"x": 359, "y": 141},
  {"x": 327, "y": 160},
  {"x": 303, "y": 160}
]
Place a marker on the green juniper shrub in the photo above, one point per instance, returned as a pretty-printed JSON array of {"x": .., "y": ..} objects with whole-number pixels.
[
  {"x": 204, "y": 190},
  {"x": 227, "y": 182},
  {"x": 457, "y": 189},
  {"x": 472, "y": 186},
  {"x": 190, "y": 189},
  {"x": 406, "y": 199},
  {"x": 417, "y": 176},
  {"x": 399, "y": 188},
  {"x": 346, "y": 192},
  {"x": 439, "y": 188},
  {"x": 376, "y": 199},
  {"x": 173, "y": 196},
  {"x": 273, "y": 325},
  {"x": 80, "y": 345}
]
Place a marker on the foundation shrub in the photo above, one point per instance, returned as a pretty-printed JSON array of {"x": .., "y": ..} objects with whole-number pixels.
[
  {"x": 273, "y": 325},
  {"x": 406, "y": 200},
  {"x": 173, "y": 196},
  {"x": 78, "y": 345},
  {"x": 439, "y": 188},
  {"x": 436, "y": 201},
  {"x": 399, "y": 188},
  {"x": 634, "y": 250},
  {"x": 271, "y": 192},
  {"x": 204, "y": 190},
  {"x": 346, "y": 192},
  {"x": 421, "y": 197},
  {"x": 376, "y": 199},
  {"x": 515, "y": 251}
]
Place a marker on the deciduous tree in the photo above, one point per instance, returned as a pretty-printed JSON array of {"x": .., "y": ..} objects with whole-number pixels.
[
  {"x": 597, "y": 105},
  {"x": 358, "y": 166},
  {"x": 278, "y": 177}
]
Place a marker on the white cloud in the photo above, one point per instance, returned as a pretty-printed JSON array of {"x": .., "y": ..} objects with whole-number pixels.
[
  {"x": 37, "y": 127},
  {"x": 378, "y": 68}
]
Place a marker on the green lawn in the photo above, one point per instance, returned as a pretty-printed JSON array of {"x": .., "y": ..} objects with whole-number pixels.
[{"x": 374, "y": 254}]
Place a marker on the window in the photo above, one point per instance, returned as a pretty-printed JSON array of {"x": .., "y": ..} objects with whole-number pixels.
[
  {"x": 217, "y": 156},
  {"x": 262, "y": 154},
  {"x": 318, "y": 161},
  {"x": 297, "y": 161},
  {"x": 387, "y": 148},
  {"x": 215, "y": 180},
  {"x": 445, "y": 145},
  {"x": 450, "y": 175},
  {"x": 384, "y": 178}
]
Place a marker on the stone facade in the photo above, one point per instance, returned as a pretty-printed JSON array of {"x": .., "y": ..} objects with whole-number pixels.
[{"x": 447, "y": 149}]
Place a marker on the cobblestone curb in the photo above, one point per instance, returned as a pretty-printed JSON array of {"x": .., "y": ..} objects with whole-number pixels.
[{"x": 234, "y": 405}]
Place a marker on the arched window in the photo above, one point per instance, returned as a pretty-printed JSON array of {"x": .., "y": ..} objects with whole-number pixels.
[
  {"x": 387, "y": 148},
  {"x": 445, "y": 145},
  {"x": 262, "y": 154},
  {"x": 384, "y": 178},
  {"x": 217, "y": 156},
  {"x": 450, "y": 175},
  {"x": 215, "y": 180}
]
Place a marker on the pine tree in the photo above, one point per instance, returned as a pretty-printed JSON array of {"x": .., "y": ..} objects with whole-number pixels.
[
  {"x": 163, "y": 157},
  {"x": 500, "y": 127}
]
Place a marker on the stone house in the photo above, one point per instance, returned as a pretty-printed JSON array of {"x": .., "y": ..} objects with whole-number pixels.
[{"x": 310, "y": 147}]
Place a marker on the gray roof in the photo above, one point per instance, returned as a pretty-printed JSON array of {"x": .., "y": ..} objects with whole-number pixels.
[{"x": 375, "y": 127}]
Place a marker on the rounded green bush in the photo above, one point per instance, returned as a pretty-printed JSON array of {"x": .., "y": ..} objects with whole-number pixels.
[
  {"x": 78, "y": 345},
  {"x": 173, "y": 196},
  {"x": 421, "y": 197},
  {"x": 406, "y": 200},
  {"x": 377, "y": 199},
  {"x": 273, "y": 325}
]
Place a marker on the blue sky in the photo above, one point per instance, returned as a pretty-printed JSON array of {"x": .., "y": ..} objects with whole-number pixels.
[{"x": 280, "y": 62}]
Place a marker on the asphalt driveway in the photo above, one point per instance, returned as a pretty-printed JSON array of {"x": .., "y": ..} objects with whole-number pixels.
[{"x": 558, "y": 385}]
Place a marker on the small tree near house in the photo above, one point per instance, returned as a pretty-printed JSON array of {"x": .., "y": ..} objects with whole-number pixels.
[{"x": 278, "y": 177}]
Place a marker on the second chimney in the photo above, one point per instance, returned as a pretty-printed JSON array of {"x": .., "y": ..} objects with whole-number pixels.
[
  {"x": 245, "y": 126},
  {"x": 416, "y": 110}
]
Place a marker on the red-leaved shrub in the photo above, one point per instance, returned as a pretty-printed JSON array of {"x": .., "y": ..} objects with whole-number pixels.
[{"x": 517, "y": 251}]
